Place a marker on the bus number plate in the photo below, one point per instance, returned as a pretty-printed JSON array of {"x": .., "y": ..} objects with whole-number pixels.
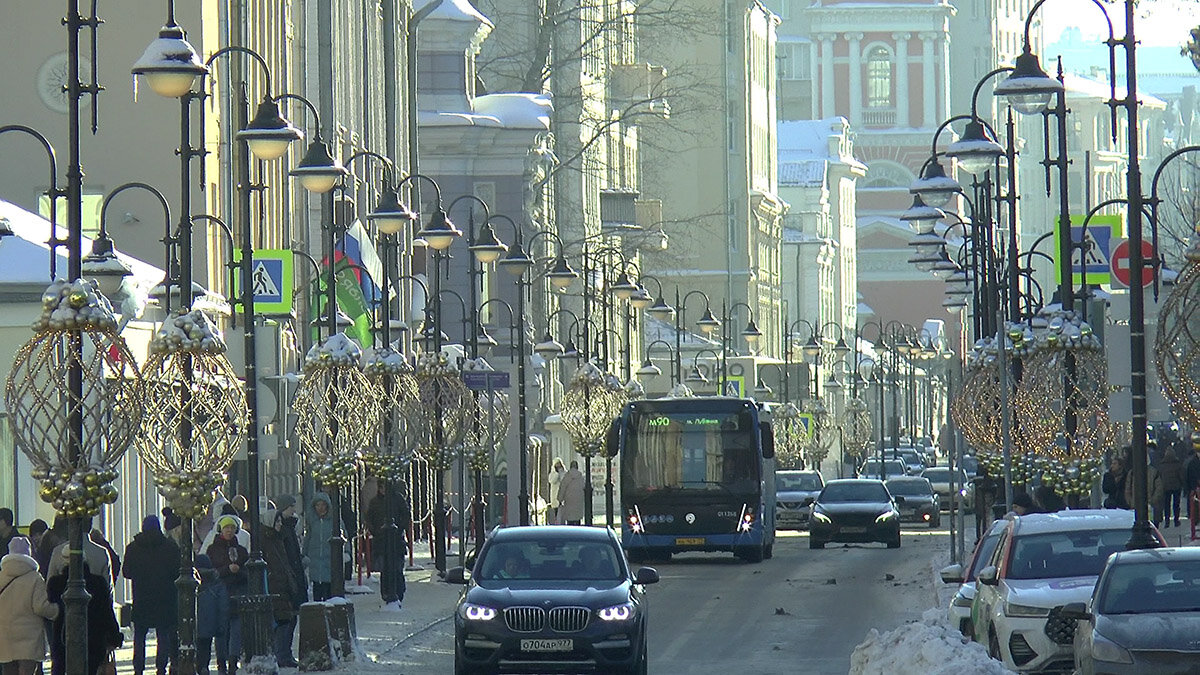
[{"x": 689, "y": 541}]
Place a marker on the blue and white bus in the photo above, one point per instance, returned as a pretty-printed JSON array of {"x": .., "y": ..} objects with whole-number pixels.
[{"x": 697, "y": 474}]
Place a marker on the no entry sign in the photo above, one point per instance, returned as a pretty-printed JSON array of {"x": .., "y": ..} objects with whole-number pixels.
[{"x": 1119, "y": 261}]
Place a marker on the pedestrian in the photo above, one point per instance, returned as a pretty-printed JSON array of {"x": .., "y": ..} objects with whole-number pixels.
[
  {"x": 1154, "y": 492},
  {"x": 281, "y": 584},
  {"x": 243, "y": 535},
  {"x": 1047, "y": 500},
  {"x": 37, "y": 530},
  {"x": 1170, "y": 472},
  {"x": 286, "y": 505},
  {"x": 172, "y": 525},
  {"x": 570, "y": 496},
  {"x": 152, "y": 565},
  {"x": 114, "y": 560},
  {"x": 7, "y": 529},
  {"x": 103, "y": 634},
  {"x": 1191, "y": 474},
  {"x": 557, "y": 471},
  {"x": 1022, "y": 504},
  {"x": 51, "y": 540},
  {"x": 318, "y": 529},
  {"x": 1113, "y": 485},
  {"x": 212, "y": 614},
  {"x": 24, "y": 609},
  {"x": 392, "y": 585},
  {"x": 96, "y": 556},
  {"x": 228, "y": 558}
]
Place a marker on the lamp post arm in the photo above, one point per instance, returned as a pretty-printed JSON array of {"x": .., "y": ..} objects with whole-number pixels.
[
  {"x": 162, "y": 200},
  {"x": 389, "y": 167},
  {"x": 54, "y": 192},
  {"x": 238, "y": 49},
  {"x": 311, "y": 108},
  {"x": 411, "y": 178},
  {"x": 1037, "y": 5},
  {"x": 979, "y": 86}
]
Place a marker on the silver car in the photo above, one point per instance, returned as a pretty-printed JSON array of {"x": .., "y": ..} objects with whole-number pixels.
[
  {"x": 1144, "y": 615},
  {"x": 940, "y": 478},
  {"x": 791, "y": 490}
]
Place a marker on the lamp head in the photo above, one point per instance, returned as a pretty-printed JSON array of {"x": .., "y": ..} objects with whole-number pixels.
[
  {"x": 641, "y": 298},
  {"x": 548, "y": 348},
  {"x": 977, "y": 150},
  {"x": 488, "y": 248},
  {"x": 624, "y": 288},
  {"x": 561, "y": 275},
  {"x": 708, "y": 323},
  {"x": 751, "y": 333},
  {"x": 319, "y": 171},
  {"x": 269, "y": 134},
  {"x": 390, "y": 216},
  {"x": 439, "y": 232},
  {"x": 1028, "y": 88},
  {"x": 921, "y": 216},
  {"x": 170, "y": 64},
  {"x": 934, "y": 187},
  {"x": 648, "y": 369},
  {"x": 695, "y": 376},
  {"x": 517, "y": 262},
  {"x": 811, "y": 349},
  {"x": 104, "y": 267},
  {"x": 661, "y": 310}
]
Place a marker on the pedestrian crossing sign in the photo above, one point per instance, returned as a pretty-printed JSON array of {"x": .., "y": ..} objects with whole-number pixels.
[
  {"x": 806, "y": 423},
  {"x": 272, "y": 280},
  {"x": 1092, "y": 248},
  {"x": 735, "y": 385}
]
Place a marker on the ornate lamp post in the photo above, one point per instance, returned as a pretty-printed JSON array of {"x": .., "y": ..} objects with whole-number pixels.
[{"x": 589, "y": 405}]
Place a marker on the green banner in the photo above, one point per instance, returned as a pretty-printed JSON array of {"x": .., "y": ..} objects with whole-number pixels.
[{"x": 350, "y": 300}]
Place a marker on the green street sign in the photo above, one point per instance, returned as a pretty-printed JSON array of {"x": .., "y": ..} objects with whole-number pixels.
[
  {"x": 1102, "y": 235},
  {"x": 272, "y": 279}
]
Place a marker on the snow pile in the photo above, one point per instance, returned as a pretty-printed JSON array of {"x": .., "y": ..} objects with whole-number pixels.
[{"x": 930, "y": 646}]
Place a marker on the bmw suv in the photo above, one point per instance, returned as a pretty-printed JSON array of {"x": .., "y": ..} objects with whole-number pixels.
[{"x": 551, "y": 599}]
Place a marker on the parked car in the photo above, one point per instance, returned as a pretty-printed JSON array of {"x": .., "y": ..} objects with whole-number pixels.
[
  {"x": 1143, "y": 616},
  {"x": 939, "y": 477},
  {"x": 914, "y": 460},
  {"x": 792, "y": 488},
  {"x": 1043, "y": 560},
  {"x": 920, "y": 503},
  {"x": 960, "y": 604},
  {"x": 891, "y": 469},
  {"x": 970, "y": 465},
  {"x": 854, "y": 510},
  {"x": 551, "y": 597}
]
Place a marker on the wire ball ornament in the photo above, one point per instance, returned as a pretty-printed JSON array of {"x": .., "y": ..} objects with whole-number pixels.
[
  {"x": 198, "y": 417},
  {"x": 1177, "y": 344},
  {"x": 816, "y": 447},
  {"x": 445, "y": 411},
  {"x": 589, "y": 405},
  {"x": 337, "y": 410},
  {"x": 976, "y": 412},
  {"x": 395, "y": 382},
  {"x": 857, "y": 427},
  {"x": 789, "y": 436},
  {"x": 76, "y": 332}
]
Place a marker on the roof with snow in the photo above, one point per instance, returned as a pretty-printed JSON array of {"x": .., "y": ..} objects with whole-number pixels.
[
  {"x": 803, "y": 173},
  {"x": 502, "y": 111},
  {"x": 1080, "y": 86},
  {"x": 454, "y": 10}
]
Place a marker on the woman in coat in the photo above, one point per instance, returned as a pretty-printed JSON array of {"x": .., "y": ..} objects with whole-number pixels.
[
  {"x": 103, "y": 634},
  {"x": 212, "y": 615},
  {"x": 152, "y": 564},
  {"x": 319, "y": 528},
  {"x": 229, "y": 559},
  {"x": 23, "y": 609},
  {"x": 1170, "y": 472},
  {"x": 281, "y": 583},
  {"x": 570, "y": 496}
]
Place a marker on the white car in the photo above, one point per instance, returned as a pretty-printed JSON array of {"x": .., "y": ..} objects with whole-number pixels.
[
  {"x": 960, "y": 604},
  {"x": 940, "y": 476},
  {"x": 1042, "y": 561}
]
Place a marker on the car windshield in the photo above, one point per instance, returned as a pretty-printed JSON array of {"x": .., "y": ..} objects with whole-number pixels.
[
  {"x": 986, "y": 548},
  {"x": 1055, "y": 555},
  {"x": 853, "y": 492},
  {"x": 797, "y": 482},
  {"x": 894, "y": 467},
  {"x": 909, "y": 488},
  {"x": 550, "y": 560},
  {"x": 1159, "y": 586}
]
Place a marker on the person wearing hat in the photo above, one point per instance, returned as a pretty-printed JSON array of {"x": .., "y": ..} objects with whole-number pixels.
[
  {"x": 24, "y": 608},
  {"x": 243, "y": 535},
  {"x": 281, "y": 584},
  {"x": 286, "y": 505},
  {"x": 229, "y": 558},
  {"x": 103, "y": 633},
  {"x": 94, "y": 554},
  {"x": 318, "y": 530},
  {"x": 212, "y": 615},
  {"x": 1022, "y": 505},
  {"x": 152, "y": 565}
]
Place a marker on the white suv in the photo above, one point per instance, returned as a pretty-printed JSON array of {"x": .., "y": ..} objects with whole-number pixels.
[{"x": 1043, "y": 561}]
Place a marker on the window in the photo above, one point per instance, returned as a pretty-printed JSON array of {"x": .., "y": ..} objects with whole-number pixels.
[
  {"x": 792, "y": 60},
  {"x": 879, "y": 78}
]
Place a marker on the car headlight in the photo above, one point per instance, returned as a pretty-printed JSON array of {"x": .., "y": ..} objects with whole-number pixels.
[
  {"x": 472, "y": 612},
  {"x": 821, "y": 517},
  {"x": 885, "y": 516},
  {"x": 623, "y": 612},
  {"x": 1104, "y": 649},
  {"x": 1013, "y": 609}
]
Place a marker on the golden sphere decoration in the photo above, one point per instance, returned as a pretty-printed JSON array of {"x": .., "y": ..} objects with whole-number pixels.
[
  {"x": 395, "y": 382},
  {"x": 1177, "y": 344},
  {"x": 199, "y": 416},
  {"x": 790, "y": 436},
  {"x": 446, "y": 411},
  {"x": 593, "y": 399},
  {"x": 817, "y": 442},
  {"x": 492, "y": 417},
  {"x": 76, "y": 331},
  {"x": 857, "y": 427}
]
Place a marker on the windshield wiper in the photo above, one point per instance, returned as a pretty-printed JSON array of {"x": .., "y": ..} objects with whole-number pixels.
[{"x": 707, "y": 482}]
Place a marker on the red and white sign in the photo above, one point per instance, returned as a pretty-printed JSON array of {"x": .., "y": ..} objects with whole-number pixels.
[{"x": 1119, "y": 262}]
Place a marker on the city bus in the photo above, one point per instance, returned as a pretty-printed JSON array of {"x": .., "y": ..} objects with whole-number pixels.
[{"x": 697, "y": 474}]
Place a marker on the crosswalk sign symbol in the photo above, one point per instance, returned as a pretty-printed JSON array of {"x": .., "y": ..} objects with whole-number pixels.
[
  {"x": 263, "y": 284},
  {"x": 271, "y": 280}
]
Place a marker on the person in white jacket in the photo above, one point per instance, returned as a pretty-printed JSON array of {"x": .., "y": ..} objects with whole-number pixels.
[
  {"x": 23, "y": 610},
  {"x": 554, "y": 479}
]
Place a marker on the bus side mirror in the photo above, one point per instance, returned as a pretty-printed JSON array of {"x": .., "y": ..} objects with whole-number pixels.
[
  {"x": 612, "y": 439},
  {"x": 768, "y": 440}
]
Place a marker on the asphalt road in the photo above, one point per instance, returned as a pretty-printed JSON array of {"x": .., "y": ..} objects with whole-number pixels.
[{"x": 801, "y": 611}]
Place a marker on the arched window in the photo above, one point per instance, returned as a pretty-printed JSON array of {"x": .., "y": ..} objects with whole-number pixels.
[{"x": 879, "y": 78}]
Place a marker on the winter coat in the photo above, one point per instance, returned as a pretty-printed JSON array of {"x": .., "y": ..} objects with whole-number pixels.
[
  {"x": 1154, "y": 488},
  {"x": 1191, "y": 472},
  {"x": 224, "y": 553},
  {"x": 212, "y": 606},
  {"x": 291, "y": 546},
  {"x": 281, "y": 584},
  {"x": 377, "y": 514},
  {"x": 51, "y": 540},
  {"x": 316, "y": 541},
  {"x": 104, "y": 635},
  {"x": 23, "y": 609},
  {"x": 570, "y": 496},
  {"x": 152, "y": 564},
  {"x": 214, "y": 533},
  {"x": 1114, "y": 487},
  {"x": 1170, "y": 470},
  {"x": 95, "y": 555}
]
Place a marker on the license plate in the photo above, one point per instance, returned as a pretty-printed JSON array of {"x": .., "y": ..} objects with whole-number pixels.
[
  {"x": 689, "y": 541},
  {"x": 547, "y": 645},
  {"x": 854, "y": 530}
]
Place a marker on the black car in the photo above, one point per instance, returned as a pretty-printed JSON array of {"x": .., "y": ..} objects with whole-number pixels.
[
  {"x": 854, "y": 510},
  {"x": 921, "y": 503},
  {"x": 551, "y": 599}
]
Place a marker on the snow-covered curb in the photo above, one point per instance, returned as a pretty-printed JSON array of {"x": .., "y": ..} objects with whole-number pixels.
[{"x": 929, "y": 646}]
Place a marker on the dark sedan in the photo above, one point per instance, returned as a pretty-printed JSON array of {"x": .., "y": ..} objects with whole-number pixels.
[
  {"x": 551, "y": 599},
  {"x": 854, "y": 510},
  {"x": 920, "y": 503}
]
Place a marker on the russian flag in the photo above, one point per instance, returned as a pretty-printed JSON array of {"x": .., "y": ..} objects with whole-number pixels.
[{"x": 356, "y": 248}]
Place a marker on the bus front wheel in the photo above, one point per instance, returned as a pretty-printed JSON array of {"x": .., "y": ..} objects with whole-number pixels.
[{"x": 751, "y": 554}]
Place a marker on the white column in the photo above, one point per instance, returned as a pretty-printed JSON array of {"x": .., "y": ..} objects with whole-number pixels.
[
  {"x": 827, "y": 77},
  {"x": 856, "y": 92},
  {"x": 944, "y": 111},
  {"x": 930, "y": 95},
  {"x": 902, "y": 93}
]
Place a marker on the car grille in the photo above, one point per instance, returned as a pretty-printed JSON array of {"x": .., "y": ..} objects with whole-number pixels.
[
  {"x": 1059, "y": 628},
  {"x": 855, "y": 520},
  {"x": 1022, "y": 653},
  {"x": 790, "y": 505},
  {"x": 525, "y": 619},
  {"x": 569, "y": 619}
]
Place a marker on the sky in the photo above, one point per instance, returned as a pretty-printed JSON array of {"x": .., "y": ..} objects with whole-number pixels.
[{"x": 1157, "y": 23}]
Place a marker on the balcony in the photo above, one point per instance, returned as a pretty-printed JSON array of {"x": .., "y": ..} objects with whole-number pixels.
[{"x": 879, "y": 117}]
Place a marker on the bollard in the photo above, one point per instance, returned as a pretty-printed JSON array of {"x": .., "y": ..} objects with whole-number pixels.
[
  {"x": 342, "y": 632},
  {"x": 316, "y": 652}
]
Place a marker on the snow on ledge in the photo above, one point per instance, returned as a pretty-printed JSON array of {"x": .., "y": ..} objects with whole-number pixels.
[{"x": 929, "y": 646}]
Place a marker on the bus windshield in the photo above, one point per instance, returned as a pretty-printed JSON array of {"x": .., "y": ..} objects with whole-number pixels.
[{"x": 702, "y": 451}]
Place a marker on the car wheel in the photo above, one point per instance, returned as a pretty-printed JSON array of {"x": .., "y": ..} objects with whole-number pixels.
[
  {"x": 815, "y": 543},
  {"x": 643, "y": 663},
  {"x": 769, "y": 551},
  {"x": 994, "y": 645},
  {"x": 895, "y": 541}
]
